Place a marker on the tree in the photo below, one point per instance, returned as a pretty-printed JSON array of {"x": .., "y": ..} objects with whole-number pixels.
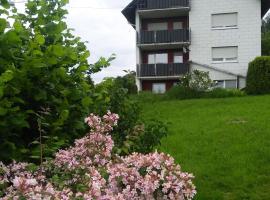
[
  {"x": 45, "y": 84},
  {"x": 266, "y": 36}
]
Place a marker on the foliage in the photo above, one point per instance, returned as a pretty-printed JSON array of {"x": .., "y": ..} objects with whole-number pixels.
[
  {"x": 216, "y": 137},
  {"x": 126, "y": 135},
  {"x": 196, "y": 80},
  {"x": 128, "y": 82},
  {"x": 258, "y": 78},
  {"x": 42, "y": 66},
  {"x": 144, "y": 138},
  {"x": 180, "y": 92},
  {"x": 266, "y": 37},
  {"x": 223, "y": 93},
  {"x": 89, "y": 170}
]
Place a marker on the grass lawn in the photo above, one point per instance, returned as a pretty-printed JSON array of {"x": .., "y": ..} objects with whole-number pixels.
[{"x": 225, "y": 143}]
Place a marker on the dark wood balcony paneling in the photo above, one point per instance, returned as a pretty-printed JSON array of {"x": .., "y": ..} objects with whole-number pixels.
[{"x": 156, "y": 70}]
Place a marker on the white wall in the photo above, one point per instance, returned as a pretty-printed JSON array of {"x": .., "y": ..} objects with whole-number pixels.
[{"x": 247, "y": 37}]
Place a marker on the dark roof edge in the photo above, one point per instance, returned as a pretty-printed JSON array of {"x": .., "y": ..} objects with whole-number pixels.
[
  {"x": 265, "y": 7},
  {"x": 129, "y": 12}
]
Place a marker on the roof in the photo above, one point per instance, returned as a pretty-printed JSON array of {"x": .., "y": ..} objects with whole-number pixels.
[
  {"x": 265, "y": 6},
  {"x": 130, "y": 10}
]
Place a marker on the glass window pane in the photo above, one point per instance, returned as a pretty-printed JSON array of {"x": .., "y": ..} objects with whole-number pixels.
[
  {"x": 159, "y": 88},
  {"x": 230, "y": 84},
  {"x": 178, "y": 58},
  {"x": 151, "y": 58},
  {"x": 177, "y": 25},
  {"x": 157, "y": 26},
  {"x": 162, "y": 58},
  {"x": 224, "y": 20},
  {"x": 225, "y": 54}
]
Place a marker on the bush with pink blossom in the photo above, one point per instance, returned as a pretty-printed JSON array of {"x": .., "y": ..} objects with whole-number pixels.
[{"x": 89, "y": 170}]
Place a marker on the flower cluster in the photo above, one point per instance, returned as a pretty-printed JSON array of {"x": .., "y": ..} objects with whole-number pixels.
[{"x": 89, "y": 170}]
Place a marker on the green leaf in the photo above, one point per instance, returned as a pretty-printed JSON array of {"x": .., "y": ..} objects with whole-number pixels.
[
  {"x": 1, "y": 91},
  {"x": 18, "y": 26},
  {"x": 12, "y": 37},
  {"x": 3, "y": 111},
  {"x": 58, "y": 50},
  {"x": 6, "y": 76},
  {"x": 64, "y": 115},
  {"x": 40, "y": 39},
  {"x": 3, "y": 25},
  {"x": 5, "y": 4},
  {"x": 87, "y": 101}
]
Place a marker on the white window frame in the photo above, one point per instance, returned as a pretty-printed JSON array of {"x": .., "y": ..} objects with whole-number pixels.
[
  {"x": 225, "y": 27},
  {"x": 224, "y": 83},
  {"x": 175, "y": 23},
  {"x": 154, "y": 56},
  {"x": 224, "y": 59},
  {"x": 178, "y": 54},
  {"x": 157, "y": 26},
  {"x": 159, "y": 91}
]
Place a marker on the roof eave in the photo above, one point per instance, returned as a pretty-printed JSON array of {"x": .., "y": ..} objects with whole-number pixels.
[
  {"x": 265, "y": 7},
  {"x": 129, "y": 12}
]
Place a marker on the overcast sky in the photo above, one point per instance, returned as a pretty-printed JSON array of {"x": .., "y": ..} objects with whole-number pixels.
[{"x": 101, "y": 23}]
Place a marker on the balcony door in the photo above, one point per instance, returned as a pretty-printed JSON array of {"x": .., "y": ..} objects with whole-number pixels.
[
  {"x": 159, "y": 58},
  {"x": 177, "y": 25},
  {"x": 160, "y": 26}
]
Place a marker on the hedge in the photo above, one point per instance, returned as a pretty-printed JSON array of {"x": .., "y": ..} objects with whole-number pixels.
[{"x": 258, "y": 77}]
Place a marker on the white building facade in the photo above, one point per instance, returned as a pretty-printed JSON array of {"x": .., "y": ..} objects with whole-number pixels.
[{"x": 175, "y": 37}]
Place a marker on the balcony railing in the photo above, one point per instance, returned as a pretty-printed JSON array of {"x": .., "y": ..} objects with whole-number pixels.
[
  {"x": 157, "y": 70},
  {"x": 164, "y": 36},
  {"x": 162, "y": 4}
]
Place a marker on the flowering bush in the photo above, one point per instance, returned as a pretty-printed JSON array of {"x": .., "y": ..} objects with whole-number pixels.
[{"x": 89, "y": 170}]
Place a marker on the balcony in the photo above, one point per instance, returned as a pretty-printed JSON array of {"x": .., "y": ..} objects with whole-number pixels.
[
  {"x": 153, "y": 40},
  {"x": 162, "y": 4},
  {"x": 162, "y": 70},
  {"x": 163, "y": 8}
]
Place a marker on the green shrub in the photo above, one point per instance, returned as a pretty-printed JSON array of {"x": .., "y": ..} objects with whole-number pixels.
[
  {"x": 197, "y": 80},
  {"x": 258, "y": 78},
  {"x": 131, "y": 135},
  {"x": 45, "y": 88},
  {"x": 180, "y": 92},
  {"x": 223, "y": 93},
  {"x": 144, "y": 96},
  {"x": 145, "y": 137}
]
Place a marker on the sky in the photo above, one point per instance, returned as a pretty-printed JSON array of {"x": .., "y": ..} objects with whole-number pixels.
[{"x": 102, "y": 25}]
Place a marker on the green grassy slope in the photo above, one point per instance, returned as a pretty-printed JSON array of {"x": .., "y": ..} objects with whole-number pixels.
[{"x": 224, "y": 142}]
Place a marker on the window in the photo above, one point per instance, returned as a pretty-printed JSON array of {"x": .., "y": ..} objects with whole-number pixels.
[
  {"x": 228, "y": 84},
  {"x": 159, "y": 88},
  {"x": 219, "y": 84},
  {"x": 151, "y": 58},
  {"x": 177, "y": 25},
  {"x": 225, "y": 54},
  {"x": 178, "y": 57},
  {"x": 157, "y": 26},
  {"x": 226, "y": 20},
  {"x": 161, "y": 58}
]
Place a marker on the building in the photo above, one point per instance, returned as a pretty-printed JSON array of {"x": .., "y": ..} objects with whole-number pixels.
[{"x": 175, "y": 37}]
